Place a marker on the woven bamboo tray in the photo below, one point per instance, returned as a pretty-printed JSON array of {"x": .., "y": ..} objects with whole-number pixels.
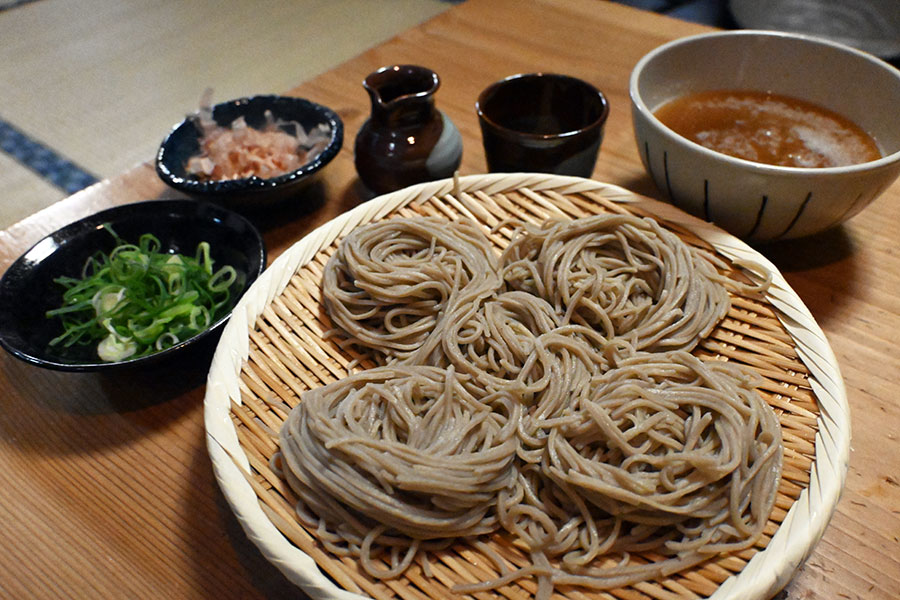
[{"x": 273, "y": 350}]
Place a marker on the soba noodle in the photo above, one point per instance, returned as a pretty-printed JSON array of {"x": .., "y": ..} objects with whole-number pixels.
[
  {"x": 402, "y": 450},
  {"x": 387, "y": 283},
  {"x": 668, "y": 453},
  {"x": 549, "y": 396},
  {"x": 624, "y": 275}
]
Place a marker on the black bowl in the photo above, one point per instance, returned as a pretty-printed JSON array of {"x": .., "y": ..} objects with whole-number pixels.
[
  {"x": 27, "y": 289},
  {"x": 183, "y": 142}
]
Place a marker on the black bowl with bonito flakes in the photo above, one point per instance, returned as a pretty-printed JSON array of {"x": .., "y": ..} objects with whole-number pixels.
[
  {"x": 250, "y": 153},
  {"x": 128, "y": 286}
]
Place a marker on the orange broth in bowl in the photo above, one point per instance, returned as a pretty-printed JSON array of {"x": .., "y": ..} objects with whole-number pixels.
[{"x": 768, "y": 128}]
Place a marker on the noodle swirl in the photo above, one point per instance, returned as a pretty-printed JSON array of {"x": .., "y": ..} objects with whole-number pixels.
[
  {"x": 624, "y": 275},
  {"x": 667, "y": 453},
  {"x": 400, "y": 450},
  {"x": 387, "y": 283}
]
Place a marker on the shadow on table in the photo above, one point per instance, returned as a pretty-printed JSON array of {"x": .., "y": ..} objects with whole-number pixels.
[
  {"x": 57, "y": 414},
  {"x": 218, "y": 537},
  {"x": 823, "y": 269},
  {"x": 284, "y": 224}
]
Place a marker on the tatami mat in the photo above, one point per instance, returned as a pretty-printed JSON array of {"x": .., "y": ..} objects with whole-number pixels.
[
  {"x": 23, "y": 192},
  {"x": 101, "y": 82}
]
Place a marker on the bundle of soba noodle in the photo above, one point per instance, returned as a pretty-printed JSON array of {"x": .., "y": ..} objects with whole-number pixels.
[
  {"x": 514, "y": 341},
  {"x": 549, "y": 395},
  {"x": 667, "y": 454},
  {"x": 388, "y": 282},
  {"x": 626, "y": 276},
  {"x": 399, "y": 451}
]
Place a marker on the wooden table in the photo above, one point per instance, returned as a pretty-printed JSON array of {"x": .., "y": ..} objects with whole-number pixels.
[{"x": 106, "y": 488}]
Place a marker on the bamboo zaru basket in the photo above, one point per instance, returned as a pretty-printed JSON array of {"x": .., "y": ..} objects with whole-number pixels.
[{"x": 275, "y": 347}]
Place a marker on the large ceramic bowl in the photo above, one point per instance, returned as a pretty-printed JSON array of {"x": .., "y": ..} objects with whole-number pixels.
[
  {"x": 753, "y": 200},
  {"x": 27, "y": 289},
  {"x": 249, "y": 193}
]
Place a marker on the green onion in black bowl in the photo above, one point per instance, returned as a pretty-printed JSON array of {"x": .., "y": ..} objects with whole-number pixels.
[{"x": 128, "y": 286}]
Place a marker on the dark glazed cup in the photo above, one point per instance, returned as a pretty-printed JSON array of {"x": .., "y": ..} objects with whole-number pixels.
[{"x": 542, "y": 122}]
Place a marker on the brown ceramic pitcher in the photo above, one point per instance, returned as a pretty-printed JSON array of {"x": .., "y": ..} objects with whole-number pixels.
[{"x": 406, "y": 140}]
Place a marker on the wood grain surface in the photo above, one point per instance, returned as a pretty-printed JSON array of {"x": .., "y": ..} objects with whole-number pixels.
[{"x": 106, "y": 489}]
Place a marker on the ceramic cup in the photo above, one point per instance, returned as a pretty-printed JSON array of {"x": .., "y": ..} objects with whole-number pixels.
[{"x": 542, "y": 122}]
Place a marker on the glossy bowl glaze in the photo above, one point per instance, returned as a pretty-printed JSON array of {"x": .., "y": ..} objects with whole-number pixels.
[
  {"x": 27, "y": 289},
  {"x": 751, "y": 200},
  {"x": 406, "y": 139},
  {"x": 542, "y": 122},
  {"x": 250, "y": 193}
]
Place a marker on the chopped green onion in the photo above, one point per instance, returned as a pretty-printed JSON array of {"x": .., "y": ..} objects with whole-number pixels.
[{"x": 137, "y": 300}]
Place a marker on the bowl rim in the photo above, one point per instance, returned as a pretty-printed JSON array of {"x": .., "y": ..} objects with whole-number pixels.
[
  {"x": 638, "y": 104},
  {"x": 258, "y": 262},
  {"x": 252, "y": 184}
]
